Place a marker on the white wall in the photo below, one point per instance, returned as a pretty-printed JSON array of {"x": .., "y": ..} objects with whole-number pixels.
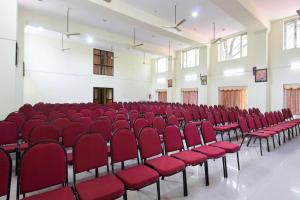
[{"x": 56, "y": 76}]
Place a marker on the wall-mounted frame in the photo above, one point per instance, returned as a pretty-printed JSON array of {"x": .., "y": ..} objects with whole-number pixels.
[
  {"x": 203, "y": 79},
  {"x": 261, "y": 75},
  {"x": 170, "y": 83}
]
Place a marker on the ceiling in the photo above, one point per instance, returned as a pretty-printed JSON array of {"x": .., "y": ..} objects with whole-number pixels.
[{"x": 147, "y": 17}]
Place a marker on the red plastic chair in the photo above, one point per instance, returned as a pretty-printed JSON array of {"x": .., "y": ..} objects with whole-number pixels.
[
  {"x": 43, "y": 132},
  {"x": 159, "y": 124},
  {"x": 138, "y": 125},
  {"x": 123, "y": 148},
  {"x": 28, "y": 127},
  {"x": 189, "y": 119},
  {"x": 90, "y": 152},
  {"x": 150, "y": 147},
  {"x": 37, "y": 173},
  {"x": 193, "y": 141},
  {"x": 173, "y": 143},
  {"x": 5, "y": 173},
  {"x": 149, "y": 116},
  {"x": 103, "y": 127},
  {"x": 172, "y": 120},
  {"x": 60, "y": 124},
  {"x": 121, "y": 124},
  {"x": 209, "y": 138}
]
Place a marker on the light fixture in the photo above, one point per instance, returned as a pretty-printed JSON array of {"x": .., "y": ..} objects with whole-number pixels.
[
  {"x": 89, "y": 39},
  {"x": 295, "y": 66},
  {"x": 195, "y": 14},
  {"x": 190, "y": 77},
  {"x": 234, "y": 72},
  {"x": 40, "y": 28},
  {"x": 161, "y": 80}
]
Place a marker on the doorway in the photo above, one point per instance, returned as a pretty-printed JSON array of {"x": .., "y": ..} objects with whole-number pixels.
[{"x": 103, "y": 95}]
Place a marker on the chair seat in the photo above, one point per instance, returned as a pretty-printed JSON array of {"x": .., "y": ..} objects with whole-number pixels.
[
  {"x": 196, "y": 123},
  {"x": 105, "y": 187},
  {"x": 227, "y": 146},
  {"x": 222, "y": 128},
  {"x": 258, "y": 135},
  {"x": 190, "y": 157},
  {"x": 210, "y": 151},
  {"x": 64, "y": 193},
  {"x": 23, "y": 146},
  {"x": 234, "y": 125},
  {"x": 268, "y": 132},
  {"x": 70, "y": 158},
  {"x": 166, "y": 165},
  {"x": 138, "y": 176},
  {"x": 10, "y": 148}
]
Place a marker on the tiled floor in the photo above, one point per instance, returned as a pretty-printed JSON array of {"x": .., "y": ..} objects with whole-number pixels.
[{"x": 274, "y": 176}]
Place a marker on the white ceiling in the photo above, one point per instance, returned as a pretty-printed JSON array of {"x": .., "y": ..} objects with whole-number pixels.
[{"x": 147, "y": 17}]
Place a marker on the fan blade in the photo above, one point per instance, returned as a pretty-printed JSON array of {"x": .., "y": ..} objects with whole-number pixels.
[
  {"x": 138, "y": 45},
  {"x": 177, "y": 29},
  {"x": 65, "y": 49},
  {"x": 167, "y": 26},
  {"x": 217, "y": 40},
  {"x": 181, "y": 22},
  {"x": 72, "y": 34}
]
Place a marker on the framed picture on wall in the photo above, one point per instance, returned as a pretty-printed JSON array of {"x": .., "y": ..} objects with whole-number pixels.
[
  {"x": 203, "y": 80},
  {"x": 170, "y": 83},
  {"x": 261, "y": 75}
]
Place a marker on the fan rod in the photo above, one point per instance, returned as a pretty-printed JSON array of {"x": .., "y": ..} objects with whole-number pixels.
[
  {"x": 134, "y": 37},
  {"x": 68, "y": 10},
  {"x": 175, "y": 14},
  {"x": 214, "y": 25},
  {"x": 169, "y": 49},
  {"x": 62, "y": 40}
]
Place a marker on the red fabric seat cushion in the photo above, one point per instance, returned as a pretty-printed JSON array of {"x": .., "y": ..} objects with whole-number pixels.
[
  {"x": 166, "y": 165},
  {"x": 23, "y": 146},
  {"x": 105, "y": 187},
  {"x": 227, "y": 146},
  {"x": 234, "y": 125},
  {"x": 64, "y": 193},
  {"x": 196, "y": 123},
  {"x": 70, "y": 158},
  {"x": 190, "y": 157},
  {"x": 138, "y": 176},
  {"x": 258, "y": 134},
  {"x": 222, "y": 128},
  {"x": 210, "y": 151},
  {"x": 268, "y": 132}
]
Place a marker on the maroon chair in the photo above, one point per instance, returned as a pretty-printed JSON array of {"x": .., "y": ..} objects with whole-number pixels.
[
  {"x": 189, "y": 119},
  {"x": 18, "y": 119},
  {"x": 8, "y": 136},
  {"x": 104, "y": 127},
  {"x": 44, "y": 165},
  {"x": 121, "y": 124},
  {"x": 124, "y": 148},
  {"x": 150, "y": 147},
  {"x": 173, "y": 143},
  {"x": 193, "y": 141},
  {"x": 149, "y": 116},
  {"x": 209, "y": 137},
  {"x": 5, "y": 173},
  {"x": 172, "y": 120},
  {"x": 138, "y": 125},
  {"x": 86, "y": 121},
  {"x": 90, "y": 152},
  {"x": 43, "y": 132},
  {"x": 247, "y": 134},
  {"x": 60, "y": 124},
  {"x": 121, "y": 116},
  {"x": 132, "y": 117},
  {"x": 28, "y": 127}
]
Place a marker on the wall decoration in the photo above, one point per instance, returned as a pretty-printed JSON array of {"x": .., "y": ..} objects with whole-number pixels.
[
  {"x": 261, "y": 75},
  {"x": 170, "y": 83},
  {"x": 203, "y": 79}
]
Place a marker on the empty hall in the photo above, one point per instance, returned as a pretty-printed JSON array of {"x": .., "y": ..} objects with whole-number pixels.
[{"x": 144, "y": 100}]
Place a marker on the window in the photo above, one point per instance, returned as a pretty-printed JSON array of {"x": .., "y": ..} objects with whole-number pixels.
[
  {"x": 233, "y": 48},
  {"x": 190, "y": 58},
  {"x": 292, "y": 34},
  {"x": 162, "y": 65},
  {"x": 103, "y": 62}
]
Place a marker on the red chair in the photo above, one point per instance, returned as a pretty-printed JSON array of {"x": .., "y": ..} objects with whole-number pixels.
[
  {"x": 120, "y": 116},
  {"x": 43, "y": 132},
  {"x": 90, "y": 152},
  {"x": 189, "y": 119},
  {"x": 103, "y": 127},
  {"x": 138, "y": 125},
  {"x": 86, "y": 121},
  {"x": 70, "y": 135},
  {"x": 19, "y": 119},
  {"x": 172, "y": 120},
  {"x": 44, "y": 165},
  {"x": 209, "y": 138},
  {"x": 60, "y": 124},
  {"x": 173, "y": 142},
  {"x": 247, "y": 134},
  {"x": 5, "y": 173},
  {"x": 28, "y": 127},
  {"x": 124, "y": 148},
  {"x": 159, "y": 124},
  {"x": 150, "y": 147},
  {"x": 8, "y": 136},
  {"x": 149, "y": 116},
  {"x": 193, "y": 141},
  {"x": 121, "y": 124}
]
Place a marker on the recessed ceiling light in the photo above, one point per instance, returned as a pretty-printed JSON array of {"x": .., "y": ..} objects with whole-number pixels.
[
  {"x": 195, "y": 14},
  {"x": 89, "y": 39}
]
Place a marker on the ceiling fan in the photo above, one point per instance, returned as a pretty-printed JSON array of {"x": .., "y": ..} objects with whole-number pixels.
[
  {"x": 215, "y": 40},
  {"x": 298, "y": 12},
  {"x": 108, "y": 1},
  {"x": 68, "y": 33},
  {"x": 176, "y": 26},
  {"x": 62, "y": 44},
  {"x": 134, "y": 41}
]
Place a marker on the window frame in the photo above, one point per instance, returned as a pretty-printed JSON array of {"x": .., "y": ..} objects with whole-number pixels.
[
  {"x": 226, "y": 57},
  {"x": 184, "y": 55},
  {"x": 166, "y": 67},
  {"x": 295, "y": 21}
]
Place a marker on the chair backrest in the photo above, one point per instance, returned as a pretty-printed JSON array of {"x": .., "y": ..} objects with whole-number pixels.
[
  {"x": 89, "y": 152},
  {"x": 132, "y": 117},
  {"x": 103, "y": 127},
  {"x": 231, "y": 116},
  {"x": 18, "y": 119},
  {"x": 71, "y": 133},
  {"x": 28, "y": 127},
  {"x": 208, "y": 132},
  {"x": 121, "y": 116},
  {"x": 210, "y": 117},
  {"x": 257, "y": 121},
  {"x": 243, "y": 124},
  {"x": 149, "y": 143},
  {"x": 138, "y": 125},
  {"x": 218, "y": 117},
  {"x": 149, "y": 116},
  {"x": 5, "y": 173},
  {"x": 225, "y": 116},
  {"x": 172, "y": 120},
  {"x": 196, "y": 114},
  {"x": 191, "y": 135},
  {"x": 263, "y": 120},
  {"x": 121, "y": 124},
  {"x": 60, "y": 124},
  {"x": 111, "y": 115},
  {"x": 172, "y": 139},
  {"x": 40, "y": 116},
  {"x": 43, "y": 132},
  {"x": 250, "y": 122},
  {"x": 187, "y": 116},
  {"x": 42, "y": 165},
  {"x": 75, "y": 116},
  {"x": 86, "y": 121},
  {"x": 159, "y": 124},
  {"x": 8, "y": 132},
  {"x": 123, "y": 146},
  {"x": 202, "y": 113}
]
